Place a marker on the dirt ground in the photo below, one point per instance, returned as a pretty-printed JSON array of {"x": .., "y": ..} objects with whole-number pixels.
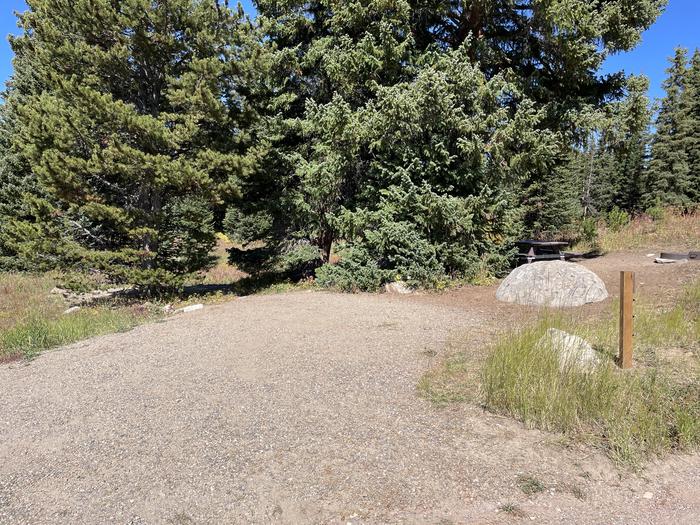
[{"x": 302, "y": 408}]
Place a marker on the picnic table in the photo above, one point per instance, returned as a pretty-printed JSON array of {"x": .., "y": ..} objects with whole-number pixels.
[{"x": 532, "y": 250}]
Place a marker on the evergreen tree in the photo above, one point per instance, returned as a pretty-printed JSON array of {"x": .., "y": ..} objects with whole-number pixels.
[
  {"x": 669, "y": 175},
  {"x": 336, "y": 60},
  {"x": 619, "y": 152},
  {"x": 632, "y": 141},
  {"x": 691, "y": 127},
  {"x": 138, "y": 131}
]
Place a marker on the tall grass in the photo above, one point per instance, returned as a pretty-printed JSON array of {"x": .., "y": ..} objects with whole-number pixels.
[
  {"x": 36, "y": 333},
  {"x": 633, "y": 415},
  {"x": 32, "y": 319},
  {"x": 671, "y": 229}
]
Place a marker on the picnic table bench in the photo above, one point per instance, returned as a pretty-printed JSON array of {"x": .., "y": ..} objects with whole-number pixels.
[{"x": 532, "y": 250}]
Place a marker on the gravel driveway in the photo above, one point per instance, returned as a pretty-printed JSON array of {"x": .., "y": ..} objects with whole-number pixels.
[{"x": 294, "y": 408}]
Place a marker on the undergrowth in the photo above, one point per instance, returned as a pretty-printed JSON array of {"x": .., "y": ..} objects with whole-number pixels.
[{"x": 662, "y": 228}]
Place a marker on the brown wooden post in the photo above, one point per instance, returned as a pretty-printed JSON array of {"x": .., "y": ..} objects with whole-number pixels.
[{"x": 624, "y": 359}]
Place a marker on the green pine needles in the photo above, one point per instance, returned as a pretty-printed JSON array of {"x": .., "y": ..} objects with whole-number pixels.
[{"x": 359, "y": 141}]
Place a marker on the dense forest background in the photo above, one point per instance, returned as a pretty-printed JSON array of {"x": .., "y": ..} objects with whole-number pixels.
[{"x": 359, "y": 141}]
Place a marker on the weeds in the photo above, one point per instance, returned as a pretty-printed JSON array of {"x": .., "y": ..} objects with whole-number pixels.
[
  {"x": 512, "y": 509},
  {"x": 36, "y": 333},
  {"x": 669, "y": 229},
  {"x": 32, "y": 320},
  {"x": 633, "y": 415},
  {"x": 658, "y": 227},
  {"x": 530, "y": 485}
]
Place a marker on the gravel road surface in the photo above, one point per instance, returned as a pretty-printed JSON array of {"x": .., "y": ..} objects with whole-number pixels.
[{"x": 294, "y": 408}]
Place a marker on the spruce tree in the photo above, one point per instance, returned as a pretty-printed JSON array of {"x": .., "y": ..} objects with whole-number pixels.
[
  {"x": 137, "y": 133},
  {"x": 691, "y": 127},
  {"x": 619, "y": 155},
  {"x": 329, "y": 179},
  {"x": 669, "y": 174}
]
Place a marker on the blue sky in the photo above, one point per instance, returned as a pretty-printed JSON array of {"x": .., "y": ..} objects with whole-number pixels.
[{"x": 677, "y": 26}]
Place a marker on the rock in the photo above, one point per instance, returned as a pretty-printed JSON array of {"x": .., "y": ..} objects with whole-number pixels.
[
  {"x": 573, "y": 351},
  {"x": 71, "y": 310},
  {"x": 557, "y": 284},
  {"x": 661, "y": 260},
  {"x": 397, "y": 287},
  {"x": 168, "y": 308},
  {"x": 191, "y": 308},
  {"x": 647, "y": 495}
]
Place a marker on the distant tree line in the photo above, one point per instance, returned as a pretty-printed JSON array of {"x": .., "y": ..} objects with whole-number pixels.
[{"x": 415, "y": 139}]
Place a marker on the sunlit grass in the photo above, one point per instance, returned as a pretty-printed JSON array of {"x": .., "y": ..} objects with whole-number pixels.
[
  {"x": 673, "y": 229},
  {"x": 32, "y": 319},
  {"x": 633, "y": 415}
]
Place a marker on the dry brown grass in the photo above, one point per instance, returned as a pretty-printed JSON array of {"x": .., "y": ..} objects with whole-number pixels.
[
  {"x": 32, "y": 319},
  {"x": 223, "y": 273},
  {"x": 674, "y": 230}
]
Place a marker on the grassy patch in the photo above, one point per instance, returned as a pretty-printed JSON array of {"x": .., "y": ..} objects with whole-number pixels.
[
  {"x": 32, "y": 320},
  {"x": 512, "y": 509},
  {"x": 530, "y": 485},
  {"x": 35, "y": 333},
  {"x": 633, "y": 415},
  {"x": 670, "y": 229}
]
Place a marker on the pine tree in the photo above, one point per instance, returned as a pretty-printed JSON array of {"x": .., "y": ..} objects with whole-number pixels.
[
  {"x": 137, "y": 133},
  {"x": 691, "y": 127},
  {"x": 619, "y": 156},
  {"x": 335, "y": 60},
  {"x": 632, "y": 140},
  {"x": 669, "y": 175}
]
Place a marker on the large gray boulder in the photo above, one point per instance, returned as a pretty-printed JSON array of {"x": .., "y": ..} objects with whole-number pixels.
[{"x": 556, "y": 284}]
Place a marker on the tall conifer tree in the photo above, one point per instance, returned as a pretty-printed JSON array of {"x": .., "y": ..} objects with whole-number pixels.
[
  {"x": 669, "y": 175},
  {"x": 138, "y": 130},
  {"x": 691, "y": 128}
]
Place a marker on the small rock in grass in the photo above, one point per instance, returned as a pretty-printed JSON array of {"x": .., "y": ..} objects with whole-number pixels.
[
  {"x": 573, "y": 351},
  {"x": 397, "y": 288},
  {"x": 72, "y": 310}
]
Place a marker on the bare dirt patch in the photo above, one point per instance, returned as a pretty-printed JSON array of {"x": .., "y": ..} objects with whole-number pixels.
[{"x": 302, "y": 408}]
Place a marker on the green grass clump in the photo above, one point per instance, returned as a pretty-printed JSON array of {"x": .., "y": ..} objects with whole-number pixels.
[
  {"x": 632, "y": 414},
  {"x": 530, "y": 485},
  {"x": 32, "y": 319},
  {"x": 36, "y": 332}
]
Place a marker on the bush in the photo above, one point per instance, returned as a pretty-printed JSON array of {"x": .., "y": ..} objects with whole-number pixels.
[
  {"x": 617, "y": 219},
  {"x": 356, "y": 272},
  {"x": 589, "y": 231}
]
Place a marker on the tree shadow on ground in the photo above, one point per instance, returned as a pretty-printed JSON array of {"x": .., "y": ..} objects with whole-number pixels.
[{"x": 249, "y": 285}]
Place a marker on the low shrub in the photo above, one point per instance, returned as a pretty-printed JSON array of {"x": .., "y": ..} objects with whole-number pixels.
[
  {"x": 589, "y": 232},
  {"x": 355, "y": 272},
  {"x": 617, "y": 219}
]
